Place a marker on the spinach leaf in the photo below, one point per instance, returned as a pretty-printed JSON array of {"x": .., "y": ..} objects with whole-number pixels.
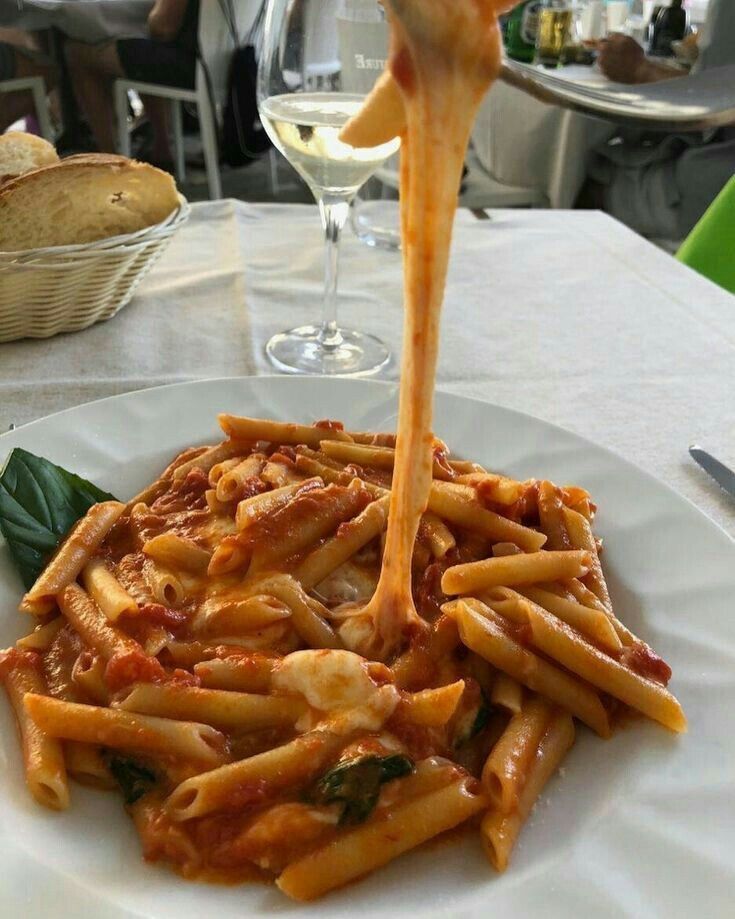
[
  {"x": 356, "y": 784},
  {"x": 39, "y": 504},
  {"x": 134, "y": 779}
]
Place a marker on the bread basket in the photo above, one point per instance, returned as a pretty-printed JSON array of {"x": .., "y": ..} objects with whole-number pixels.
[{"x": 67, "y": 288}]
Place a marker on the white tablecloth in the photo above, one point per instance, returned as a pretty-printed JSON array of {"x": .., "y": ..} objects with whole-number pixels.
[{"x": 568, "y": 316}]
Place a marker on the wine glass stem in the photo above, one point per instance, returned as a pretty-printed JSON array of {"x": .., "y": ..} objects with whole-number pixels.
[{"x": 334, "y": 212}]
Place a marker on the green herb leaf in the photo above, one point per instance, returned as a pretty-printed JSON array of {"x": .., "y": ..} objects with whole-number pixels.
[
  {"x": 134, "y": 779},
  {"x": 356, "y": 784},
  {"x": 39, "y": 504}
]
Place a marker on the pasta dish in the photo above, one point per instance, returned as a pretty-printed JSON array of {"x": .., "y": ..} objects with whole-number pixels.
[
  {"x": 203, "y": 658},
  {"x": 303, "y": 651}
]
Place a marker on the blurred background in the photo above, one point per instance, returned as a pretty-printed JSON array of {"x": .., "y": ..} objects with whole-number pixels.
[{"x": 625, "y": 105}]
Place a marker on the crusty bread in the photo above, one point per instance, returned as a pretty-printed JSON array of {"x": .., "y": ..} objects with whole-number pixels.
[
  {"x": 20, "y": 153},
  {"x": 83, "y": 199}
]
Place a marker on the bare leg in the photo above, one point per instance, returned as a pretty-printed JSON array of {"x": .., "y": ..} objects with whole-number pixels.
[
  {"x": 93, "y": 69},
  {"x": 157, "y": 110}
]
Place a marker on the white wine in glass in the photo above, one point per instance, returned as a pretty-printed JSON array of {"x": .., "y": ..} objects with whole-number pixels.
[{"x": 303, "y": 110}]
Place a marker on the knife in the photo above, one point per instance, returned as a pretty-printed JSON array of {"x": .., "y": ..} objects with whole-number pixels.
[{"x": 724, "y": 477}]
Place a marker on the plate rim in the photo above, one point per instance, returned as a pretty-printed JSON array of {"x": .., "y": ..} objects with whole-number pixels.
[
  {"x": 470, "y": 909},
  {"x": 389, "y": 385}
]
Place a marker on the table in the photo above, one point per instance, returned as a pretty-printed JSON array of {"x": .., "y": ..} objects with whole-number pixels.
[{"x": 566, "y": 315}]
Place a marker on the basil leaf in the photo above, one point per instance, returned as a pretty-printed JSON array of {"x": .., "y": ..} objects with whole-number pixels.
[
  {"x": 134, "y": 779},
  {"x": 39, "y": 503},
  {"x": 356, "y": 784}
]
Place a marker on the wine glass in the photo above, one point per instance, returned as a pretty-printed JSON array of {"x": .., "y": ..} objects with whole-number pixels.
[{"x": 303, "y": 107}]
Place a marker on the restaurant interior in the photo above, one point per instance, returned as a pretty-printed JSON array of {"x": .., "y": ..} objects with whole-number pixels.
[{"x": 367, "y": 387}]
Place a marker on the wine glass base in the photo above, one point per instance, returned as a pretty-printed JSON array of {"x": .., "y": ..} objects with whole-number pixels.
[
  {"x": 301, "y": 351},
  {"x": 377, "y": 223}
]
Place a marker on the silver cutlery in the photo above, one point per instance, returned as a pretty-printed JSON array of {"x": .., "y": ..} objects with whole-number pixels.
[{"x": 724, "y": 477}]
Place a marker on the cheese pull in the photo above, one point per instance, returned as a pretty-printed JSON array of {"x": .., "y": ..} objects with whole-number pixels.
[{"x": 444, "y": 54}]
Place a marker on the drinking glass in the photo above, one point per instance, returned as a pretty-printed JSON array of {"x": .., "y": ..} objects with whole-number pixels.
[{"x": 303, "y": 106}]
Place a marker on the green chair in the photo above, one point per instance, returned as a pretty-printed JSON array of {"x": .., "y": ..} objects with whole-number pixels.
[{"x": 710, "y": 247}]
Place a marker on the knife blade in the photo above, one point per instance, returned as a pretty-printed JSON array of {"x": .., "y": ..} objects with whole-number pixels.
[{"x": 724, "y": 477}]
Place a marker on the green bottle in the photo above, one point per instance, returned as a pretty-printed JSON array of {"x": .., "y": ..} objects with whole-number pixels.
[{"x": 520, "y": 31}]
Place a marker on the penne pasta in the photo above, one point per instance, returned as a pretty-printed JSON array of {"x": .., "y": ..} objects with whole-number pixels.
[
  {"x": 106, "y": 591},
  {"x": 220, "y": 616},
  {"x": 231, "y": 485},
  {"x": 594, "y": 624},
  {"x": 432, "y": 707},
  {"x": 506, "y": 693},
  {"x": 307, "y": 520},
  {"x": 290, "y": 766},
  {"x": 307, "y": 614},
  {"x": 379, "y": 841},
  {"x": 165, "y": 586},
  {"x": 458, "y": 504},
  {"x": 254, "y": 430},
  {"x": 502, "y": 549},
  {"x": 94, "y": 629},
  {"x": 560, "y": 643},
  {"x": 551, "y": 514},
  {"x": 173, "y": 551},
  {"x": 349, "y": 539},
  {"x": 209, "y": 457},
  {"x": 86, "y": 765},
  {"x": 214, "y": 504},
  {"x": 219, "y": 469},
  {"x": 228, "y": 710},
  {"x": 43, "y": 756},
  {"x": 500, "y": 831},
  {"x": 88, "y": 674},
  {"x": 121, "y": 730},
  {"x": 486, "y": 637},
  {"x": 72, "y": 555},
  {"x": 259, "y": 507},
  {"x": 581, "y": 537},
  {"x": 505, "y": 772},
  {"x": 511, "y": 570},
  {"x": 215, "y": 647},
  {"x": 438, "y": 535},
  {"x": 493, "y": 489},
  {"x": 42, "y": 637},
  {"x": 379, "y": 457},
  {"x": 243, "y": 673}
]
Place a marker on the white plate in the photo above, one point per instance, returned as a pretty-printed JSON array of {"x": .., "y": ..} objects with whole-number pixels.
[{"x": 641, "y": 825}]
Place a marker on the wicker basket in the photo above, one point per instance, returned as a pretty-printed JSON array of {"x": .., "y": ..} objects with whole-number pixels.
[{"x": 67, "y": 288}]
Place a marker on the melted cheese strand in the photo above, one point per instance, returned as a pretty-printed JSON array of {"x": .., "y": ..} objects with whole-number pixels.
[{"x": 444, "y": 56}]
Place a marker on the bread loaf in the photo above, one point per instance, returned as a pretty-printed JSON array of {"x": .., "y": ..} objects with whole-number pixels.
[
  {"x": 20, "y": 153},
  {"x": 83, "y": 199}
]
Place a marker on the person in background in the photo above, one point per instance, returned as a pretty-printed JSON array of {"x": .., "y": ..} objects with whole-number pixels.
[
  {"x": 19, "y": 57},
  {"x": 168, "y": 57},
  {"x": 661, "y": 185}
]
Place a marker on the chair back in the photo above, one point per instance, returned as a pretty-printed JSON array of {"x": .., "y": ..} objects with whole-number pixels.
[
  {"x": 217, "y": 43},
  {"x": 710, "y": 247}
]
